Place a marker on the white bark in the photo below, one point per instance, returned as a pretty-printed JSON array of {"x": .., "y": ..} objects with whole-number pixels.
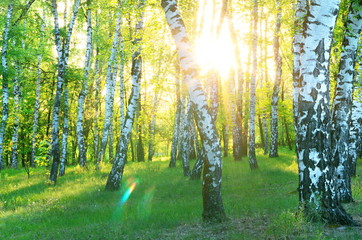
[
  {"x": 5, "y": 87},
  {"x": 115, "y": 176},
  {"x": 212, "y": 201},
  {"x": 342, "y": 104},
  {"x": 63, "y": 55},
  {"x": 110, "y": 87},
  {"x": 252, "y": 157},
  {"x": 16, "y": 123},
  {"x": 84, "y": 91},
  {"x": 317, "y": 192},
  {"x": 278, "y": 78}
]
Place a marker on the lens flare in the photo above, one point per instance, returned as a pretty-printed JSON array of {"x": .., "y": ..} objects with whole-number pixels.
[
  {"x": 145, "y": 204},
  {"x": 132, "y": 183}
]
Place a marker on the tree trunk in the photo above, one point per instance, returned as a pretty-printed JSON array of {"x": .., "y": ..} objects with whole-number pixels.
[
  {"x": 5, "y": 87},
  {"x": 115, "y": 176},
  {"x": 252, "y": 157},
  {"x": 355, "y": 132},
  {"x": 84, "y": 91},
  {"x": 110, "y": 88},
  {"x": 186, "y": 140},
  {"x": 64, "y": 154},
  {"x": 213, "y": 210},
  {"x": 177, "y": 127},
  {"x": 37, "y": 94},
  {"x": 317, "y": 192},
  {"x": 342, "y": 104},
  {"x": 15, "y": 136},
  {"x": 151, "y": 145},
  {"x": 63, "y": 54},
  {"x": 278, "y": 77}
]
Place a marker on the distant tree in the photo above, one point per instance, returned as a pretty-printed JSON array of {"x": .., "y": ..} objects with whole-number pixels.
[
  {"x": 278, "y": 77},
  {"x": 5, "y": 81},
  {"x": 115, "y": 176},
  {"x": 84, "y": 91},
  {"x": 252, "y": 157},
  {"x": 62, "y": 47}
]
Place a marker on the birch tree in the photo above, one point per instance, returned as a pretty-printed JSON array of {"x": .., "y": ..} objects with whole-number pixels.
[
  {"x": 5, "y": 81},
  {"x": 37, "y": 93},
  {"x": 278, "y": 77},
  {"x": 342, "y": 104},
  {"x": 213, "y": 210},
  {"x": 317, "y": 192},
  {"x": 16, "y": 123},
  {"x": 62, "y": 47},
  {"x": 115, "y": 176},
  {"x": 84, "y": 91},
  {"x": 110, "y": 88},
  {"x": 252, "y": 157}
]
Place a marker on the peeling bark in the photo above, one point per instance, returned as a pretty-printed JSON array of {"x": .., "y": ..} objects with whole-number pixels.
[
  {"x": 342, "y": 104},
  {"x": 317, "y": 189}
]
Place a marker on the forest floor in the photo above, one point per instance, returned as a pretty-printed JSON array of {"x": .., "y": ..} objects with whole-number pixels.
[{"x": 157, "y": 202}]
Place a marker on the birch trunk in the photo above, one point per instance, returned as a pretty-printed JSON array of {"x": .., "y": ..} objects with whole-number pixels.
[
  {"x": 278, "y": 77},
  {"x": 15, "y": 136},
  {"x": 355, "y": 133},
  {"x": 186, "y": 140},
  {"x": 342, "y": 104},
  {"x": 317, "y": 189},
  {"x": 84, "y": 91},
  {"x": 252, "y": 157},
  {"x": 152, "y": 127},
  {"x": 64, "y": 152},
  {"x": 176, "y": 127},
  {"x": 96, "y": 107},
  {"x": 110, "y": 88},
  {"x": 213, "y": 210},
  {"x": 37, "y": 95},
  {"x": 115, "y": 176},
  {"x": 5, "y": 87},
  {"x": 63, "y": 54}
]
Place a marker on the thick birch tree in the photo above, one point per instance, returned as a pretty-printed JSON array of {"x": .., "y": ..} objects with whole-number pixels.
[
  {"x": 62, "y": 47},
  {"x": 115, "y": 176},
  {"x": 5, "y": 81},
  {"x": 213, "y": 210},
  {"x": 317, "y": 190},
  {"x": 278, "y": 78},
  {"x": 84, "y": 91},
  {"x": 342, "y": 104}
]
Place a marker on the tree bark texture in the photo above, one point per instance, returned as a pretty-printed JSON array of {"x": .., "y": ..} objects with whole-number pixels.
[
  {"x": 115, "y": 176},
  {"x": 317, "y": 189},
  {"x": 342, "y": 104},
  {"x": 63, "y": 54},
  {"x": 16, "y": 123},
  {"x": 110, "y": 88},
  {"x": 213, "y": 210},
  {"x": 5, "y": 80}
]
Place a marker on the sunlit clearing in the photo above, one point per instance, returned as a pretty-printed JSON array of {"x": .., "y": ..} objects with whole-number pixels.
[{"x": 213, "y": 45}]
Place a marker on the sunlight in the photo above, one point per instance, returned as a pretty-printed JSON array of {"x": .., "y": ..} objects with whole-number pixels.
[{"x": 215, "y": 52}]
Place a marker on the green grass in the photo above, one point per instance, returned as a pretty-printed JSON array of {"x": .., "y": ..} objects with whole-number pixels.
[{"x": 260, "y": 204}]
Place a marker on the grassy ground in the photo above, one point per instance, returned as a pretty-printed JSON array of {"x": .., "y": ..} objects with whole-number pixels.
[{"x": 260, "y": 204}]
